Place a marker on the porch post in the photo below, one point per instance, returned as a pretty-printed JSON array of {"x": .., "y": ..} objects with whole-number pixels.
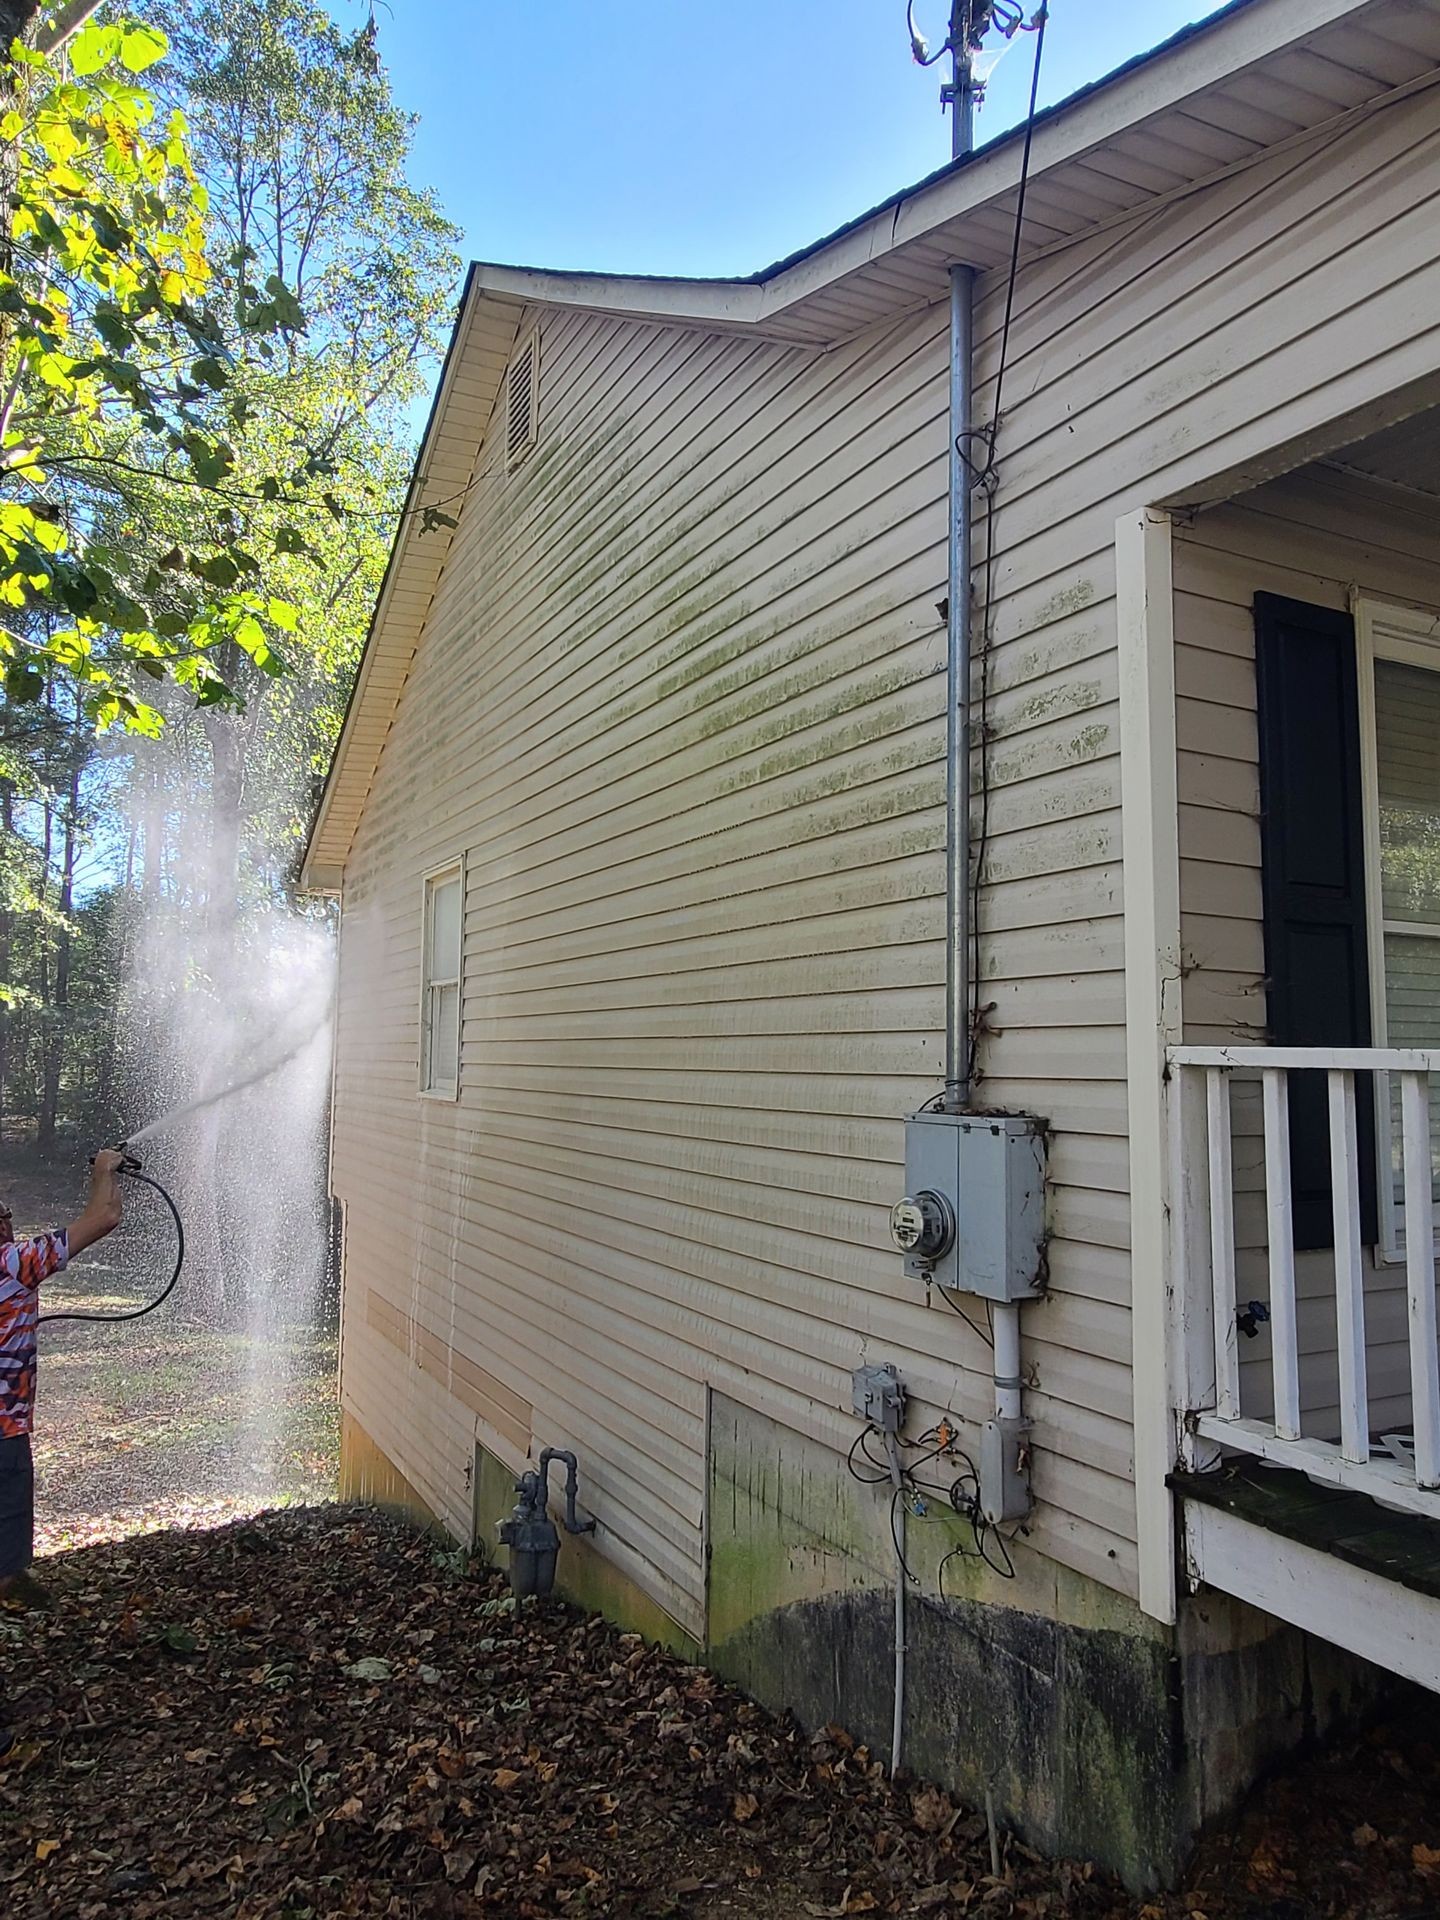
[{"x": 1149, "y": 810}]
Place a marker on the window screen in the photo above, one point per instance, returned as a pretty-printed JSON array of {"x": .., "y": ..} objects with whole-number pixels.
[
  {"x": 1407, "y": 766},
  {"x": 440, "y": 1013}
]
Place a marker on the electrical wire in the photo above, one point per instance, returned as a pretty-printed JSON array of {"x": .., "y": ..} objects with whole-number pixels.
[
  {"x": 908, "y": 1497},
  {"x": 134, "y": 1313},
  {"x": 975, "y": 1328},
  {"x": 865, "y": 1479}
]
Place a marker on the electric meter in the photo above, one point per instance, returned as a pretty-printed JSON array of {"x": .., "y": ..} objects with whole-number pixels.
[{"x": 923, "y": 1225}]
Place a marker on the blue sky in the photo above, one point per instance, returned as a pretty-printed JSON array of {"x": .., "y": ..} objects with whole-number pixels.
[{"x": 695, "y": 139}]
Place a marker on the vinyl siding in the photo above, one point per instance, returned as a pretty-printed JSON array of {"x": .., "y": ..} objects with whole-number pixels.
[{"x": 679, "y": 700}]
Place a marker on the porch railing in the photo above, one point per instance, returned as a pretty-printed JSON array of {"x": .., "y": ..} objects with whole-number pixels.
[{"x": 1206, "y": 1296}]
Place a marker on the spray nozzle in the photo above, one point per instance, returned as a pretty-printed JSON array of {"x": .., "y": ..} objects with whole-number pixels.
[{"x": 130, "y": 1161}]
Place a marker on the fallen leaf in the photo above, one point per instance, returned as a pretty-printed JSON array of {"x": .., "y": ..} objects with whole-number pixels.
[
  {"x": 931, "y": 1810},
  {"x": 44, "y": 1848},
  {"x": 368, "y": 1669},
  {"x": 504, "y": 1778},
  {"x": 744, "y": 1806}
]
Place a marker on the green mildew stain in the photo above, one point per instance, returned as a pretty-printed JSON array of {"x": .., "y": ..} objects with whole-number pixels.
[
  {"x": 1027, "y": 758},
  {"x": 1067, "y": 601},
  {"x": 1047, "y": 657},
  {"x": 1074, "y": 696}
]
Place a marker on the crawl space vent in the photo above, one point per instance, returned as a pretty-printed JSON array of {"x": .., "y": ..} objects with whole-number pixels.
[{"x": 522, "y": 398}]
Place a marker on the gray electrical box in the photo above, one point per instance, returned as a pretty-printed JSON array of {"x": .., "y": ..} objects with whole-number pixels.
[{"x": 973, "y": 1216}]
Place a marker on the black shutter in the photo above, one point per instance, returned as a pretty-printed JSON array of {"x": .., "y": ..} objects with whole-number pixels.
[{"x": 1312, "y": 844}]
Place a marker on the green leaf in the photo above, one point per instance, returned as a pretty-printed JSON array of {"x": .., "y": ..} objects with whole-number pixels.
[
  {"x": 92, "y": 48},
  {"x": 283, "y": 615},
  {"x": 219, "y": 570},
  {"x": 180, "y": 1639},
  {"x": 141, "y": 47}
]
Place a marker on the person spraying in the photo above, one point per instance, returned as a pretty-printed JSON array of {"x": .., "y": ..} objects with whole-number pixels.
[{"x": 24, "y": 1266}]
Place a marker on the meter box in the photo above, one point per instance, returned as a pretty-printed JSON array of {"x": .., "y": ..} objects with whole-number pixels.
[{"x": 973, "y": 1216}]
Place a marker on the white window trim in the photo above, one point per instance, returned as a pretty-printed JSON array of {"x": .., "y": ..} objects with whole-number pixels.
[
  {"x": 447, "y": 869},
  {"x": 1407, "y": 635},
  {"x": 528, "y": 347}
]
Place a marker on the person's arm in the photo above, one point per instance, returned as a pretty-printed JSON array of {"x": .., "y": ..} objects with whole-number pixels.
[{"x": 104, "y": 1207}]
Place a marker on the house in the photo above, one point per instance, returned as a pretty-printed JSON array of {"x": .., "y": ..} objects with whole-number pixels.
[{"x": 638, "y": 819}]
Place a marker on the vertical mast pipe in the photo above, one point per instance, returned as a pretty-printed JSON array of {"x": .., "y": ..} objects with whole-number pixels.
[{"x": 957, "y": 727}]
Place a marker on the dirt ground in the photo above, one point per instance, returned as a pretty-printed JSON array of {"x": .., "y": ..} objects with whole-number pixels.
[{"x": 170, "y": 1420}]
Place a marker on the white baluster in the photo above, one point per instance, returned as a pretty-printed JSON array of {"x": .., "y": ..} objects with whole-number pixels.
[
  {"x": 1222, "y": 1242},
  {"x": 1420, "y": 1276},
  {"x": 1349, "y": 1269},
  {"x": 1279, "y": 1217}
]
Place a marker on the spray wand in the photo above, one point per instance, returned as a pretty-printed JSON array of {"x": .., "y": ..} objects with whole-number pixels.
[{"x": 131, "y": 1168}]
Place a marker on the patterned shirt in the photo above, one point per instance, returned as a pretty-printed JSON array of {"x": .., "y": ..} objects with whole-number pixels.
[{"x": 23, "y": 1265}]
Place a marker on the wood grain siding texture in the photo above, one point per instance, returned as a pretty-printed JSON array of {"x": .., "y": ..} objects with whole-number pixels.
[
  {"x": 679, "y": 700},
  {"x": 1315, "y": 536}
]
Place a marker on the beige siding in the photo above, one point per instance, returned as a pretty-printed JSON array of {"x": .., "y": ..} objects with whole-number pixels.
[
  {"x": 1318, "y": 537},
  {"x": 679, "y": 699}
]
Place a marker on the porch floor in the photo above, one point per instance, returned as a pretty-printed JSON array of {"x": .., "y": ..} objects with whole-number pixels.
[{"x": 1349, "y": 1526}]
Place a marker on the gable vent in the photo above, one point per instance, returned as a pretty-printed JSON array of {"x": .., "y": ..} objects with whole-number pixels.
[{"x": 522, "y": 401}]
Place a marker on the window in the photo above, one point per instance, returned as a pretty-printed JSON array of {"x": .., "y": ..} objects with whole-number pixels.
[
  {"x": 441, "y": 1006},
  {"x": 1400, "y": 743},
  {"x": 522, "y": 401}
]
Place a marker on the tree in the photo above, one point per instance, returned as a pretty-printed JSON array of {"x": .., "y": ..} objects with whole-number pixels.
[
  {"x": 112, "y": 364},
  {"x": 304, "y": 153}
]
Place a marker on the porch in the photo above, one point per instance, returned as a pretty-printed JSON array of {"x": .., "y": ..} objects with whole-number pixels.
[
  {"x": 1280, "y": 700},
  {"x": 1308, "y": 1377}
]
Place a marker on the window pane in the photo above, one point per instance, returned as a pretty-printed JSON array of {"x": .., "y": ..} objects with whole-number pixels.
[
  {"x": 445, "y": 929},
  {"x": 1412, "y": 1019},
  {"x": 444, "y": 1036},
  {"x": 1407, "y": 741}
]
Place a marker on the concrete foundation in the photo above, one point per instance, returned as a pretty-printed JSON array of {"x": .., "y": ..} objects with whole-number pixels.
[{"x": 1100, "y": 1734}]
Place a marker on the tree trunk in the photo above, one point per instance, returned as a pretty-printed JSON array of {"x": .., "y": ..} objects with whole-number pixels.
[{"x": 56, "y": 1033}]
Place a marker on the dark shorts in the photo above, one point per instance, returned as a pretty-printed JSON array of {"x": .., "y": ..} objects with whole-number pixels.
[{"x": 17, "y": 1505}]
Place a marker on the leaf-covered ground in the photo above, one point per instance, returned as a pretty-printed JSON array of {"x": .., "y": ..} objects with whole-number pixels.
[
  {"x": 317, "y": 1713},
  {"x": 284, "y": 1715}
]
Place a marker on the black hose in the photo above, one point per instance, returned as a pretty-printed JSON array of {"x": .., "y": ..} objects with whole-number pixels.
[{"x": 136, "y": 1313}]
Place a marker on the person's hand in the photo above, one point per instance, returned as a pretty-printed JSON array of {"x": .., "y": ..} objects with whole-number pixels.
[{"x": 105, "y": 1206}]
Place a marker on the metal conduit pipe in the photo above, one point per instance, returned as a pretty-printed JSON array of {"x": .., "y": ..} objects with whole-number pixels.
[{"x": 957, "y": 704}]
